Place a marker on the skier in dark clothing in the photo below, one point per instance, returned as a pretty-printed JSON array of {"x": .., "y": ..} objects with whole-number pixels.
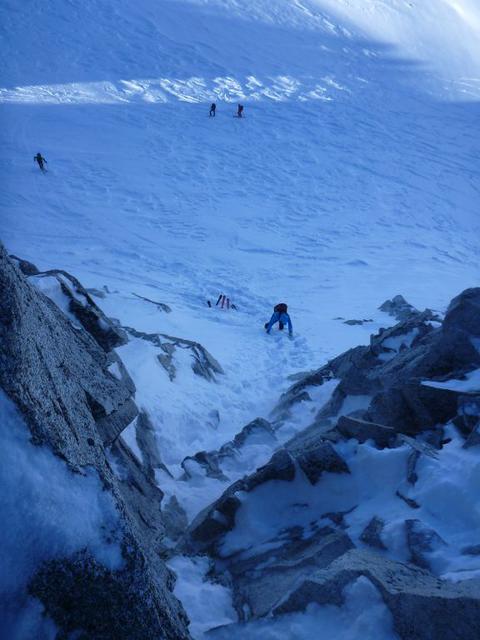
[
  {"x": 40, "y": 160},
  {"x": 213, "y": 108},
  {"x": 239, "y": 110},
  {"x": 281, "y": 316}
]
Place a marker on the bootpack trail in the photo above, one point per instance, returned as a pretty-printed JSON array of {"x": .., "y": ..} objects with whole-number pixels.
[{"x": 353, "y": 177}]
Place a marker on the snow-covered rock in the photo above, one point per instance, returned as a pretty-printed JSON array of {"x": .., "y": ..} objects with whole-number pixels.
[
  {"x": 59, "y": 378},
  {"x": 422, "y": 606}
]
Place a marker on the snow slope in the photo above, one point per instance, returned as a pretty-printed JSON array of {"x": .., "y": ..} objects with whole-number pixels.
[
  {"x": 344, "y": 184},
  {"x": 353, "y": 177}
]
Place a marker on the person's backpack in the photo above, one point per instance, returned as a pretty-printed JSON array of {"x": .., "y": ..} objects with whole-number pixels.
[{"x": 281, "y": 307}]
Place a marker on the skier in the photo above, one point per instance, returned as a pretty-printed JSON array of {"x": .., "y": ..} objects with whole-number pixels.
[
  {"x": 213, "y": 108},
  {"x": 281, "y": 316},
  {"x": 40, "y": 160},
  {"x": 239, "y": 110}
]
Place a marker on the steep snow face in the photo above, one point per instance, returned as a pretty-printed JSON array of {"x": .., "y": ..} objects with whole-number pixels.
[
  {"x": 345, "y": 183},
  {"x": 442, "y": 34},
  {"x": 351, "y": 178}
]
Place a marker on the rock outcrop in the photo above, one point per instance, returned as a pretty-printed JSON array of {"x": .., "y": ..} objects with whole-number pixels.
[
  {"x": 75, "y": 301},
  {"x": 423, "y": 607},
  {"x": 203, "y": 363},
  {"x": 58, "y": 372},
  {"x": 391, "y": 371},
  {"x": 257, "y": 431},
  {"x": 312, "y": 559}
]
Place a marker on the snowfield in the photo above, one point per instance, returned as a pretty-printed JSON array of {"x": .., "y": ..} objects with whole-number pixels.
[{"x": 353, "y": 177}]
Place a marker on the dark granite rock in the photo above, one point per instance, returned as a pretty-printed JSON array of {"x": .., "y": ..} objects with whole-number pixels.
[
  {"x": 399, "y": 308},
  {"x": 281, "y": 466},
  {"x": 262, "y": 580},
  {"x": 209, "y": 463},
  {"x": 423, "y": 607},
  {"x": 315, "y": 461},
  {"x": 203, "y": 363},
  {"x": 353, "y": 323},
  {"x": 372, "y": 534},
  {"x": 463, "y": 313},
  {"x": 468, "y": 416},
  {"x": 59, "y": 377},
  {"x": 161, "y": 306},
  {"x": 392, "y": 375},
  {"x": 26, "y": 267},
  {"x": 421, "y": 540},
  {"x": 414, "y": 407},
  {"x": 175, "y": 519},
  {"x": 473, "y": 550},
  {"x": 148, "y": 445},
  {"x": 255, "y": 432},
  {"x": 73, "y": 590},
  {"x": 473, "y": 439},
  {"x": 413, "y": 504},
  {"x": 82, "y": 306},
  {"x": 363, "y": 430},
  {"x": 209, "y": 526}
]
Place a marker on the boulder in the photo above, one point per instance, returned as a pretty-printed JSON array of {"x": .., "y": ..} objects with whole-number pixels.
[
  {"x": 422, "y": 606},
  {"x": 317, "y": 460},
  {"x": 260, "y": 582},
  {"x": 392, "y": 375},
  {"x": 421, "y": 540},
  {"x": 413, "y": 407},
  {"x": 463, "y": 313},
  {"x": 259, "y": 431},
  {"x": 174, "y": 518},
  {"x": 206, "y": 531},
  {"x": 399, "y": 308},
  {"x": 207, "y": 461},
  {"x": 372, "y": 534},
  {"x": 362, "y": 430},
  {"x": 298, "y": 392}
]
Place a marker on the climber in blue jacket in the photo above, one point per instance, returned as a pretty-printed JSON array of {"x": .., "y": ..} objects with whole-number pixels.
[{"x": 281, "y": 316}]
